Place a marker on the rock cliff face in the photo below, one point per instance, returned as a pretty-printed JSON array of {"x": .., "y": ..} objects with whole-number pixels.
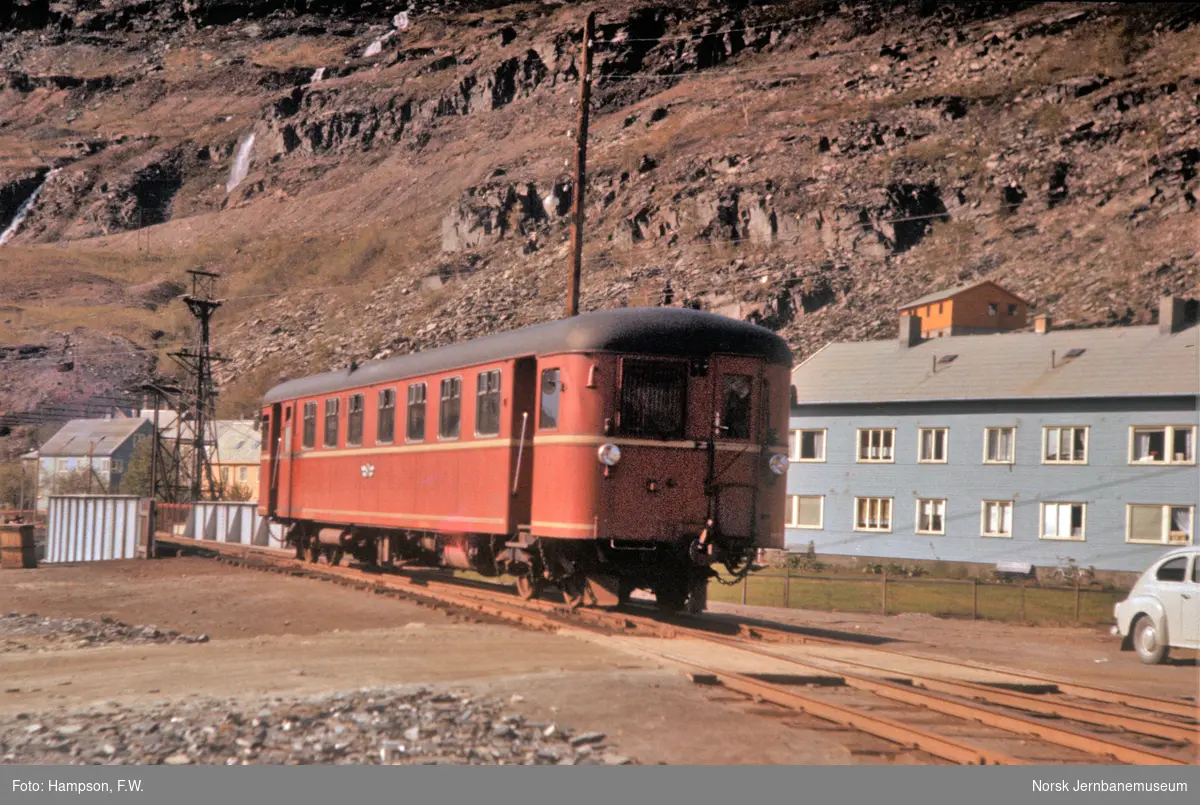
[{"x": 806, "y": 165}]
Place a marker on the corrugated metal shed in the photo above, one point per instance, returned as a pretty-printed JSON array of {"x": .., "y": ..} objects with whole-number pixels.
[
  {"x": 93, "y": 528},
  {"x": 1114, "y": 362},
  {"x": 103, "y": 436}
]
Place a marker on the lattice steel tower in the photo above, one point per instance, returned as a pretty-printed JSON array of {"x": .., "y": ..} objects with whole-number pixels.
[{"x": 199, "y": 401}]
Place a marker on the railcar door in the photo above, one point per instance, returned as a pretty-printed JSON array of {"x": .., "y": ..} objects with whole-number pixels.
[
  {"x": 267, "y": 499},
  {"x": 281, "y": 482},
  {"x": 524, "y": 421},
  {"x": 737, "y": 386}
]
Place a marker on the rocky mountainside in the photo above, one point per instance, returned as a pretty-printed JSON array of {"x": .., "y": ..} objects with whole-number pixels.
[{"x": 371, "y": 182}]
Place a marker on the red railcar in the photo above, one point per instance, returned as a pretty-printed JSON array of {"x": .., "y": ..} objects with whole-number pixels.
[{"x": 615, "y": 450}]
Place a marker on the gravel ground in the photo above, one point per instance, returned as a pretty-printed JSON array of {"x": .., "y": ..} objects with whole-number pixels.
[
  {"x": 31, "y": 632},
  {"x": 389, "y": 726}
]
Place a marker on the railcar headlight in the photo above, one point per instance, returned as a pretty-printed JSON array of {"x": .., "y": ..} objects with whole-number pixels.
[
  {"x": 778, "y": 463},
  {"x": 609, "y": 454}
]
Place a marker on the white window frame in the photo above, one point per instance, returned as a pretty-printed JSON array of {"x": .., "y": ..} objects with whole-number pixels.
[
  {"x": 796, "y": 435},
  {"x": 104, "y": 465},
  {"x": 793, "y": 513},
  {"x": 858, "y": 447},
  {"x": 1168, "y": 439},
  {"x": 891, "y": 513},
  {"x": 983, "y": 518},
  {"x": 921, "y": 446},
  {"x": 62, "y": 465},
  {"x": 1082, "y": 526},
  {"x": 1012, "y": 445},
  {"x": 1164, "y": 538},
  {"x": 1087, "y": 443},
  {"x": 917, "y": 523}
]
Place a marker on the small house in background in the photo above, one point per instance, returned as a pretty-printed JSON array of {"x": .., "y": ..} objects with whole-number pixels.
[
  {"x": 238, "y": 454},
  {"x": 975, "y": 309},
  {"x": 88, "y": 455}
]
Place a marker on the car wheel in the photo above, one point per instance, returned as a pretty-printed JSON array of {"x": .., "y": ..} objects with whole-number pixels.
[{"x": 1148, "y": 641}]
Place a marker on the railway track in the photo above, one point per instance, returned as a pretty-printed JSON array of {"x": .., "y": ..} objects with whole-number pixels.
[{"x": 931, "y": 709}]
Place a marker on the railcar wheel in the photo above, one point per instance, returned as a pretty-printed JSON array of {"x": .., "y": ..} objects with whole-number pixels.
[
  {"x": 574, "y": 588},
  {"x": 671, "y": 596},
  {"x": 624, "y": 591},
  {"x": 314, "y": 551},
  {"x": 697, "y": 600},
  {"x": 528, "y": 587}
]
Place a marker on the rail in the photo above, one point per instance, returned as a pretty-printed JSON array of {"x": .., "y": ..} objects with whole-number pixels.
[
  {"x": 1006, "y": 716},
  {"x": 1020, "y": 601}
]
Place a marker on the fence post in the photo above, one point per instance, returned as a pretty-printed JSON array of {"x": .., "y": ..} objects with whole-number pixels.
[
  {"x": 974, "y": 599},
  {"x": 787, "y": 585},
  {"x": 883, "y": 596},
  {"x": 1076, "y": 601},
  {"x": 745, "y": 585},
  {"x": 1022, "y": 599}
]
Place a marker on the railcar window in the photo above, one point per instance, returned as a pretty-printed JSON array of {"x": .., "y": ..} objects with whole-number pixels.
[
  {"x": 487, "y": 403},
  {"x": 354, "y": 420},
  {"x": 310, "y": 424},
  {"x": 416, "y": 412},
  {"x": 450, "y": 408},
  {"x": 735, "y": 411},
  {"x": 653, "y": 399},
  {"x": 331, "y": 422},
  {"x": 385, "y": 423},
  {"x": 548, "y": 410},
  {"x": 266, "y": 430}
]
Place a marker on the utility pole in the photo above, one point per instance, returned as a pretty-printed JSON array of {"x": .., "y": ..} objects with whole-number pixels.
[
  {"x": 581, "y": 134},
  {"x": 197, "y": 362},
  {"x": 90, "y": 471}
]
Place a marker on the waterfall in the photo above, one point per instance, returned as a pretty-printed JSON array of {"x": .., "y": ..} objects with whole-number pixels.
[
  {"x": 241, "y": 162},
  {"x": 24, "y": 209},
  {"x": 317, "y": 75}
]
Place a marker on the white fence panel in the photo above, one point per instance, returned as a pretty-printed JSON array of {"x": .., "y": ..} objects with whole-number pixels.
[
  {"x": 232, "y": 522},
  {"x": 94, "y": 528}
]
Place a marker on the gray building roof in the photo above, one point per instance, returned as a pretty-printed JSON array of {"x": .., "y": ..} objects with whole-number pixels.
[
  {"x": 1115, "y": 362},
  {"x": 103, "y": 436},
  {"x": 238, "y": 442},
  {"x": 955, "y": 291}
]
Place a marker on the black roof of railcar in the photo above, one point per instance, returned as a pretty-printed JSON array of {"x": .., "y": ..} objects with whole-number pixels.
[{"x": 647, "y": 331}]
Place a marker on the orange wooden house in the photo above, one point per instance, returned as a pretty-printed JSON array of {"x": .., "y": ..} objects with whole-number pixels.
[{"x": 981, "y": 307}]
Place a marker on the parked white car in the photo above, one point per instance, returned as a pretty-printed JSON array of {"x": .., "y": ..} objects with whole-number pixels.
[{"x": 1162, "y": 610}]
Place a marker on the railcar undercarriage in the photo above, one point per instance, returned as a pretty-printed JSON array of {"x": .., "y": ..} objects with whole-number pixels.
[{"x": 586, "y": 571}]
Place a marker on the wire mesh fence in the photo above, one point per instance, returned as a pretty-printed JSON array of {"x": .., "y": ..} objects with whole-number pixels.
[{"x": 1020, "y": 601}]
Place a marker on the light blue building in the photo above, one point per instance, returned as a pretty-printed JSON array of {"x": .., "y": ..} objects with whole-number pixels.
[
  {"x": 88, "y": 454},
  {"x": 1033, "y": 447}
]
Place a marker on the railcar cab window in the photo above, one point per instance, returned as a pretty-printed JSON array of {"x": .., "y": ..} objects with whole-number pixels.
[
  {"x": 331, "y": 422},
  {"x": 735, "y": 408},
  {"x": 450, "y": 408},
  {"x": 415, "y": 430},
  {"x": 310, "y": 425},
  {"x": 653, "y": 403},
  {"x": 385, "y": 422},
  {"x": 266, "y": 429},
  {"x": 548, "y": 409},
  {"x": 487, "y": 403},
  {"x": 354, "y": 420}
]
